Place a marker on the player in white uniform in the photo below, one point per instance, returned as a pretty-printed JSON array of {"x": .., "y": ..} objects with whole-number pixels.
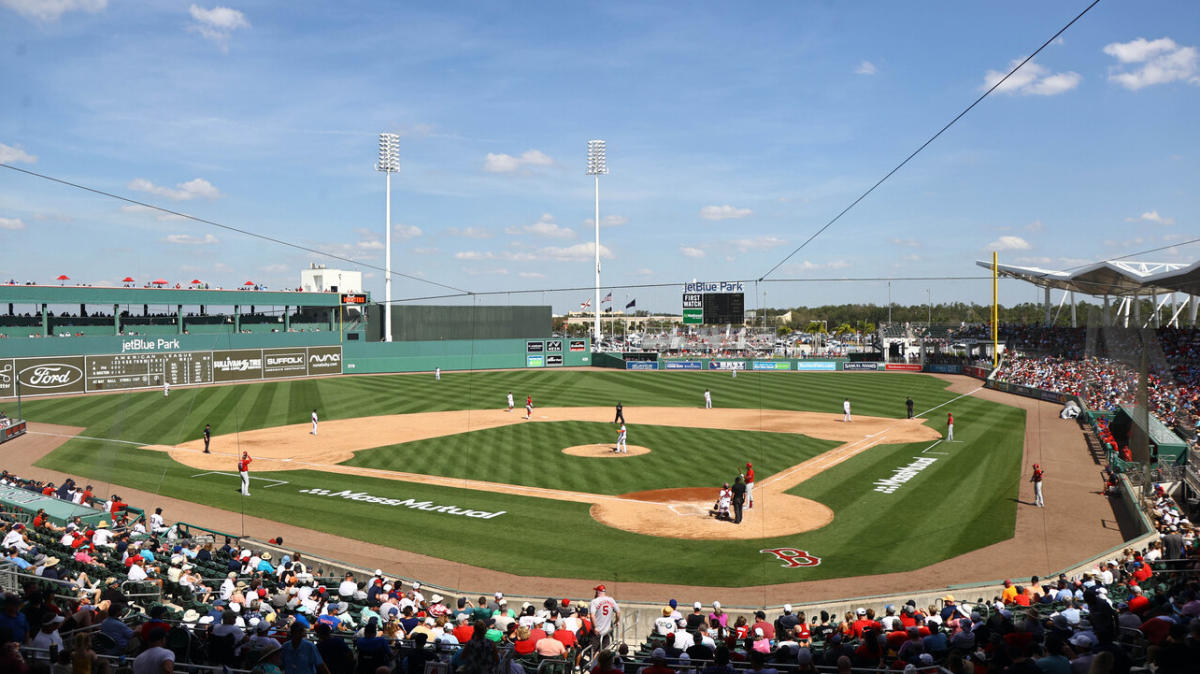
[
  {"x": 734, "y": 371},
  {"x": 846, "y": 409},
  {"x": 166, "y": 387},
  {"x": 510, "y": 401},
  {"x": 314, "y": 420},
  {"x": 437, "y": 374},
  {"x": 621, "y": 447},
  {"x": 605, "y": 615},
  {"x": 707, "y": 399}
]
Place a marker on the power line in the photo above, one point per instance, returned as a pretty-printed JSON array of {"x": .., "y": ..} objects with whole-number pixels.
[
  {"x": 1140, "y": 252},
  {"x": 931, "y": 139},
  {"x": 225, "y": 227}
]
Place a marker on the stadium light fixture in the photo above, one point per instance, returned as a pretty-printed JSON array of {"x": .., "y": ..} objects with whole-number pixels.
[
  {"x": 389, "y": 163},
  {"x": 597, "y": 165}
]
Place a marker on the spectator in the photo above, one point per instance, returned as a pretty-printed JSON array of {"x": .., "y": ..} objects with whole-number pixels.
[
  {"x": 155, "y": 659},
  {"x": 300, "y": 656}
]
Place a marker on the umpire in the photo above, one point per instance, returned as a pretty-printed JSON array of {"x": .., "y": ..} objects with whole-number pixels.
[
  {"x": 620, "y": 413},
  {"x": 739, "y": 498}
]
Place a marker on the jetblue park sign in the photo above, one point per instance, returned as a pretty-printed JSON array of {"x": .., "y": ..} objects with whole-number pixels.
[{"x": 714, "y": 287}]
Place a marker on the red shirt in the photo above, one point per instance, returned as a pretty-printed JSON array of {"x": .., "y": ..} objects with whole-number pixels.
[
  {"x": 949, "y": 419},
  {"x": 523, "y": 647},
  {"x": 47, "y": 491},
  {"x": 1138, "y": 603},
  {"x": 244, "y": 464},
  {"x": 464, "y": 633},
  {"x": 39, "y": 521},
  {"x": 528, "y": 401},
  {"x": 750, "y": 475},
  {"x": 802, "y": 632},
  {"x": 567, "y": 637}
]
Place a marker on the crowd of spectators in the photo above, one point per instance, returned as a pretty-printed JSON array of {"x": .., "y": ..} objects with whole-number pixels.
[{"x": 140, "y": 588}]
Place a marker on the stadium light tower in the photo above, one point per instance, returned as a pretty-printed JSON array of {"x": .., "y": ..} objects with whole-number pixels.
[
  {"x": 597, "y": 165},
  {"x": 389, "y": 163}
]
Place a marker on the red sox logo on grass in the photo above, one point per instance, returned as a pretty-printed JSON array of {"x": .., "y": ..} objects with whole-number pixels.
[{"x": 793, "y": 558}]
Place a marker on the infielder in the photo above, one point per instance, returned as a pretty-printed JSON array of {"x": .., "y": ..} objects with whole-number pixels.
[
  {"x": 314, "y": 420},
  {"x": 243, "y": 467},
  {"x": 707, "y": 399},
  {"x": 510, "y": 401},
  {"x": 749, "y": 485},
  {"x": 620, "y": 413},
  {"x": 1037, "y": 485},
  {"x": 621, "y": 447},
  {"x": 437, "y": 374},
  {"x": 846, "y": 411},
  {"x": 207, "y": 437},
  {"x": 949, "y": 427},
  {"x": 528, "y": 407}
]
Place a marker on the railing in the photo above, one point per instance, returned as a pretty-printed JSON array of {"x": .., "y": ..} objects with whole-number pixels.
[{"x": 117, "y": 661}]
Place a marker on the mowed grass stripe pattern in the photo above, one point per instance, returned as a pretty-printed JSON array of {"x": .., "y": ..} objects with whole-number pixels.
[{"x": 530, "y": 454}]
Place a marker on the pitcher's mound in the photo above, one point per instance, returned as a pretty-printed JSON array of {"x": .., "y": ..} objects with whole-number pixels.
[
  {"x": 684, "y": 513},
  {"x": 605, "y": 451}
]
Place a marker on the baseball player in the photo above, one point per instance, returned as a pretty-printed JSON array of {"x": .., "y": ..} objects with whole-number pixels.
[
  {"x": 620, "y": 413},
  {"x": 510, "y": 401},
  {"x": 166, "y": 387},
  {"x": 734, "y": 371},
  {"x": 243, "y": 466},
  {"x": 621, "y": 447},
  {"x": 846, "y": 411},
  {"x": 1038, "y": 475},
  {"x": 437, "y": 374},
  {"x": 749, "y": 485},
  {"x": 605, "y": 615},
  {"x": 528, "y": 407},
  {"x": 314, "y": 420},
  {"x": 949, "y": 427},
  {"x": 908, "y": 404},
  {"x": 207, "y": 437},
  {"x": 707, "y": 399}
]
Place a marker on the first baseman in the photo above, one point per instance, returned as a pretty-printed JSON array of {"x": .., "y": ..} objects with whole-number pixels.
[
  {"x": 207, "y": 437},
  {"x": 314, "y": 420},
  {"x": 510, "y": 401},
  {"x": 846, "y": 410},
  {"x": 707, "y": 399},
  {"x": 243, "y": 467},
  {"x": 621, "y": 447}
]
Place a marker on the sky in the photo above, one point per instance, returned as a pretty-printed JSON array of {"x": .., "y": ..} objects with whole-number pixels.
[{"x": 734, "y": 132}]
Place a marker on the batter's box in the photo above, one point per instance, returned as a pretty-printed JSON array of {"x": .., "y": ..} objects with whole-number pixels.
[{"x": 688, "y": 510}]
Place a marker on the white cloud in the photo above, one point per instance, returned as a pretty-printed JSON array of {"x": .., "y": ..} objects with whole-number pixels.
[
  {"x": 757, "y": 243},
  {"x": 1152, "y": 216},
  {"x": 545, "y": 226},
  {"x": 1162, "y": 61},
  {"x": 145, "y": 210},
  {"x": 506, "y": 163},
  {"x": 406, "y": 232},
  {"x": 11, "y": 223},
  {"x": 808, "y": 265},
  {"x": 1035, "y": 226},
  {"x": 691, "y": 251},
  {"x": 1033, "y": 79},
  {"x": 644, "y": 271},
  {"x": 217, "y": 24},
  {"x": 192, "y": 189},
  {"x": 607, "y": 221},
  {"x": 189, "y": 240},
  {"x": 725, "y": 212},
  {"x": 575, "y": 253},
  {"x": 1009, "y": 243},
  {"x": 476, "y": 271},
  {"x": 531, "y": 274},
  {"x": 373, "y": 244},
  {"x": 905, "y": 243},
  {"x": 50, "y": 10},
  {"x": 912, "y": 257},
  {"x": 1035, "y": 260},
  {"x": 468, "y": 232},
  {"x": 14, "y": 155},
  {"x": 865, "y": 68}
]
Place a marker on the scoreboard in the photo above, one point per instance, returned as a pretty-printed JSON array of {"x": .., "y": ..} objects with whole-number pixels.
[
  {"x": 717, "y": 303},
  {"x": 138, "y": 370}
]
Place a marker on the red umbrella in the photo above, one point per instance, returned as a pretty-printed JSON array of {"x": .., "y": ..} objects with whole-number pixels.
[
  {"x": 159, "y": 282},
  {"x": 248, "y": 283},
  {"x": 63, "y": 277},
  {"x": 196, "y": 281},
  {"x": 127, "y": 279}
]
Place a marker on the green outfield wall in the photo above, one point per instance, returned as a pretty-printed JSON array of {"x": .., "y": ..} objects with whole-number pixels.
[
  {"x": 480, "y": 354},
  {"x": 422, "y": 323}
]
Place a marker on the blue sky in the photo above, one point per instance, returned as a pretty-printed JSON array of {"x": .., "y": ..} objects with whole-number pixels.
[{"x": 734, "y": 131}]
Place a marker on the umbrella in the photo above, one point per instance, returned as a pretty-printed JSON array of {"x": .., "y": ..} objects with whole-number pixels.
[
  {"x": 248, "y": 283},
  {"x": 127, "y": 279},
  {"x": 159, "y": 282},
  {"x": 63, "y": 277},
  {"x": 196, "y": 281}
]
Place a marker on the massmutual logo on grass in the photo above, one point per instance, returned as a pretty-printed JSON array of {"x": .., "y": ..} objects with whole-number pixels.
[
  {"x": 406, "y": 503},
  {"x": 902, "y": 475}
]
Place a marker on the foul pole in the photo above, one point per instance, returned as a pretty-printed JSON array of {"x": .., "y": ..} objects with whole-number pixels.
[{"x": 995, "y": 313}]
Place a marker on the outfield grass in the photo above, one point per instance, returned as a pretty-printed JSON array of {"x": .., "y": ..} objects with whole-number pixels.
[{"x": 964, "y": 500}]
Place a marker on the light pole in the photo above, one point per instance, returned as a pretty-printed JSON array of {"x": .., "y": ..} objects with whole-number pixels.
[
  {"x": 597, "y": 165},
  {"x": 389, "y": 163}
]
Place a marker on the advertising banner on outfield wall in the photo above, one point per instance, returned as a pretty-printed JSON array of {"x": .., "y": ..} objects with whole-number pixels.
[
  {"x": 41, "y": 376},
  {"x": 641, "y": 365},
  {"x": 578, "y": 345},
  {"x": 8, "y": 378},
  {"x": 772, "y": 365},
  {"x": 815, "y": 365},
  {"x": 944, "y": 368},
  {"x": 977, "y": 372},
  {"x": 903, "y": 367},
  {"x": 683, "y": 365},
  {"x": 238, "y": 365},
  {"x": 324, "y": 360},
  {"x": 727, "y": 365},
  {"x": 860, "y": 365},
  {"x": 285, "y": 362},
  {"x": 554, "y": 360},
  {"x": 535, "y": 361}
]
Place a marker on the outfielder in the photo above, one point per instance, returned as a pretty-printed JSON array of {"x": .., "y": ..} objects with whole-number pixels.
[
  {"x": 166, "y": 387},
  {"x": 707, "y": 399},
  {"x": 846, "y": 411},
  {"x": 437, "y": 374},
  {"x": 314, "y": 420},
  {"x": 749, "y": 485},
  {"x": 949, "y": 427},
  {"x": 1037, "y": 485},
  {"x": 621, "y": 447},
  {"x": 529, "y": 407},
  {"x": 207, "y": 437},
  {"x": 510, "y": 401},
  {"x": 243, "y": 467}
]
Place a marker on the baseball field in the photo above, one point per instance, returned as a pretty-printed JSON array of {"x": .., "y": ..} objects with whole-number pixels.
[{"x": 441, "y": 468}]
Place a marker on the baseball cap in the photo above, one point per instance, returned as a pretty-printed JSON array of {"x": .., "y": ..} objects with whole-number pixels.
[
  {"x": 697, "y": 605},
  {"x": 716, "y": 604},
  {"x": 787, "y": 608},
  {"x": 862, "y": 611},
  {"x": 599, "y": 588},
  {"x": 758, "y": 631},
  {"x": 658, "y": 654}
]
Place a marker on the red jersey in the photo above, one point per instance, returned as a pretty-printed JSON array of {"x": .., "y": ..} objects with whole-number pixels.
[
  {"x": 244, "y": 464},
  {"x": 529, "y": 401},
  {"x": 949, "y": 419},
  {"x": 750, "y": 475}
]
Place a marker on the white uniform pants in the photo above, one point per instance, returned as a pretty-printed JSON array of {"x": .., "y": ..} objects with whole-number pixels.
[
  {"x": 314, "y": 430},
  {"x": 750, "y": 493},
  {"x": 1037, "y": 494},
  {"x": 245, "y": 482},
  {"x": 621, "y": 446},
  {"x": 950, "y": 433}
]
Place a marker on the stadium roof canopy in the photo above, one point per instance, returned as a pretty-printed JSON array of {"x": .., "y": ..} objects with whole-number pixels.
[{"x": 1119, "y": 277}]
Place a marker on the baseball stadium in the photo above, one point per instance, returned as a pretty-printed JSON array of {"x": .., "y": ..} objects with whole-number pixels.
[{"x": 322, "y": 476}]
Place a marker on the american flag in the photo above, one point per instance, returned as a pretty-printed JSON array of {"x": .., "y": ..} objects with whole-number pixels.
[{"x": 607, "y": 298}]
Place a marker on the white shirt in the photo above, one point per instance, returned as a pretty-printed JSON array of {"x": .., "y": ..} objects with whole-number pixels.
[
  {"x": 227, "y": 589},
  {"x": 102, "y": 537},
  {"x": 604, "y": 612},
  {"x": 347, "y": 588},
  {"x": 151, "y": 661},
  {"x": 664, "y": 625},
  {"x": 13, "y": 540},
  {"x": 707, "y": 395},
  {"x": 67, "y": 538},
  {"x": 43, "y": 640},
  {"x": 314, "y": 417},
  {"x": 510, "y": 400},
  {"x": 136, "y": 572},
  {"x": 156, "y": 522},
  {"x": 846, "y": 406}
]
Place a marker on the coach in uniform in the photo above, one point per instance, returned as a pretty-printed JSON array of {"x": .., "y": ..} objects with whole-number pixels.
[{"x": 605, "y": 615}]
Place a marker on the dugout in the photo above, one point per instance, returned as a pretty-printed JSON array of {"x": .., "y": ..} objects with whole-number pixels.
[
  {"x": 421, "y": 323},
  {"x": 1171, "y": 450}
]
